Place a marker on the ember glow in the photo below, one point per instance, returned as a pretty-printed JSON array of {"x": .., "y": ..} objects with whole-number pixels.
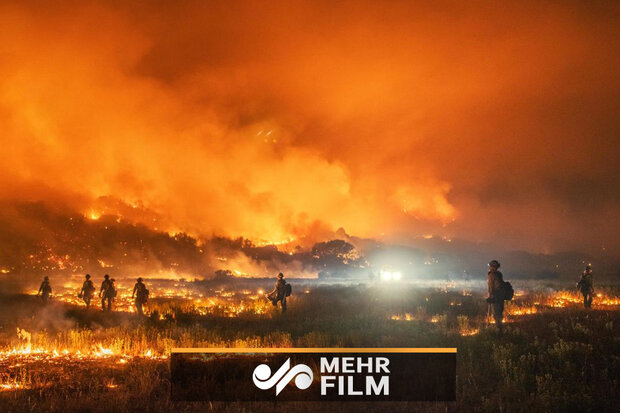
[
  {"x": 526, "y": 303},
  {"x": 378, "y": 154},
  {"x": 26, "y": 355},
  {"x": 292, "y": 126},
  {"x": 166, "y": 295}
]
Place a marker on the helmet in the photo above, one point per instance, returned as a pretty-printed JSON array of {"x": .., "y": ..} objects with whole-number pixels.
[
  {"x": 139, "y": 279},
  {"x": 87, "y": 276},
  {"x": 106, "y": 276},
  {"x": 280, "y": 275},
  {"x": 494, "y": 263},
  {"x": 588, "y": 266},
  {"x": 46, "y": 278}
]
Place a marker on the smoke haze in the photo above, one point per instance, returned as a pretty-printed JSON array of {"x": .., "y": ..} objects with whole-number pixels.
[{"x": 282, "y": 122}]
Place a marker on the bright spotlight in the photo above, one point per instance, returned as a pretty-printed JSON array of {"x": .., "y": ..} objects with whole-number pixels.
[{"x": 388, "y": 275}]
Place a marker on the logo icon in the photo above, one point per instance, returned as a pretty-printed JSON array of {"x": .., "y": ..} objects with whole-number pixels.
[{"x": 264, "y": 380}]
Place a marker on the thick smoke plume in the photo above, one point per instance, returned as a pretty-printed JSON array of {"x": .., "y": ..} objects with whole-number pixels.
[{"x": 280, "y": 124}]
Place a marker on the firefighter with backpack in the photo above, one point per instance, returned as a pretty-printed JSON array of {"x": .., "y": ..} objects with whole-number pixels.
[
  {"x": 87, "y": 291},
  {"x": 141, "y": 295},
  {"x": 107, "y": 292},
  {"x": 586, "y": 286},
  {"x": 45, "y": 290},
  {"x": 281, "y": 290},
  {"x": 499, "y": 291}
]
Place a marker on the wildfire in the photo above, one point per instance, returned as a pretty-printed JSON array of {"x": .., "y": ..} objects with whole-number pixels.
[
  {"x": 405, "y": 317},
  {"x": 220, "y": 302},
  {"x": 280, "y": 242},
  {"x": 25, "y": 352},
  {"x": 98, "y": 352},
  {"x": 563, "y": 298},
  {"x": 168, "y": 296},
  {"x": 491, "y": 320},
  {"x": 11, "y": 386},
  {"x": 102, "y": 264},
  {"x": 610, "y": 301},
  {"x": 103, "y": 352},
  {"x": 111, "y": 384},
  {"x": 518, "y": 311}
]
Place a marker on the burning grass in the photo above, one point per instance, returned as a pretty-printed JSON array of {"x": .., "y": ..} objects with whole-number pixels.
[
  {"x": 166, "y": 296},
  {"x": 68, "y": 358}
]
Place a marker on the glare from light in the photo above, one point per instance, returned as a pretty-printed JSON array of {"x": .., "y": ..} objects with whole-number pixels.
[
  {"x": 390, "y": 275},
  {"x": 386, "y": 275}
]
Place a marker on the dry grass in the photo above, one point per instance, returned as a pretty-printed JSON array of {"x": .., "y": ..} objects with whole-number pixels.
[{"x": 554, "y": 359}]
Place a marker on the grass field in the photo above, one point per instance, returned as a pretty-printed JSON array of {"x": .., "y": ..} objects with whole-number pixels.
[{"x": 553, "y": 356}]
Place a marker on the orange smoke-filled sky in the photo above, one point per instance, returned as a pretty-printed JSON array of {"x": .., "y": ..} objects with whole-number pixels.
[{"x": 493, "y": 122}]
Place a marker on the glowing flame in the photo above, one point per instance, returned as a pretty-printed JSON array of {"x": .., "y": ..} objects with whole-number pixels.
[
  {"x": 98, "y": 351},
  {"x": 405, "y": 317},
  {"x": 518, "y": 311},
  {"x": 469, "y": 332},
  {"x": 111, "y": 385},
  {"x": 11, "y": 386},
  {"x": 103, "y": 352}
]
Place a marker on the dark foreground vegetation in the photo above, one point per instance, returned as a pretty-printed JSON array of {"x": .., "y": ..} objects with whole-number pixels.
[{"x": 559, "y": 359}]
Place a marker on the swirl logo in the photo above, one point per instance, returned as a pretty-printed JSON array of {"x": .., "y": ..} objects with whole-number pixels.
[{"x": 264, "y": 380}]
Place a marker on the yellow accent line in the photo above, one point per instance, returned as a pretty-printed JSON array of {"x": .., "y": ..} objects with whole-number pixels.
[{"x": 312, "y": 350}]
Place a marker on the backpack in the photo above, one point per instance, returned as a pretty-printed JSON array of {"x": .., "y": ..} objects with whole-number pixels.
[
  {"x": 508, "y": 291},
  {"x": 144, "y": 294},
  {"x": 288, "y": 290}
]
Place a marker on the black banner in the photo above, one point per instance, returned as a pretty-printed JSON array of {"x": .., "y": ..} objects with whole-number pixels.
[{"x": 313, "y": 374}]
